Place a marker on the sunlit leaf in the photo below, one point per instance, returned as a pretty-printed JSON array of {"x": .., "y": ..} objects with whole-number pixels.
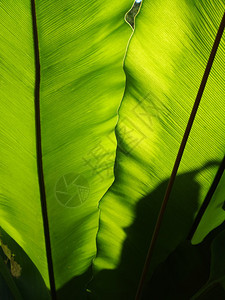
[
  {"x": 82, "y": 174},
  {"x": 82, "y": 46},
  {"x": 165, "y": 63}
]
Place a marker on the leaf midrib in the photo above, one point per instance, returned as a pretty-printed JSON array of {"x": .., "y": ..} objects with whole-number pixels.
[{"x": 39, "y": 152}]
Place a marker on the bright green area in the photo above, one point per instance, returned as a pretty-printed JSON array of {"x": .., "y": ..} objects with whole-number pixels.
[
  {"x": 20, "y": 207},
  {"x": 164, "y": 66},
  {"x": 82, "y": 46}
]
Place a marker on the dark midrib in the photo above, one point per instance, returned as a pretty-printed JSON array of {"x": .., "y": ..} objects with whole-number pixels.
[
  {"x": 39, "y": 153},
  {"x": 178, "y": 158},
  {"x": 207, "y": 199}
]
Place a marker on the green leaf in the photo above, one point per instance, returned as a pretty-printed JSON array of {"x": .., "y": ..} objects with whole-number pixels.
[
  {"x": 214, "y": 214},
  {"x": 165, "y": 63},
  {"x": 62, "y": 159},
  {"x": 81, "y": 46},
  {"x": 20, "y": 207}
]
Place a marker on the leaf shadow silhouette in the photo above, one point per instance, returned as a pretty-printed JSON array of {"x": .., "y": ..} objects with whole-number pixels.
[
  {"x": 171, "y": 281},
  {"x": 121, "y": 283}
]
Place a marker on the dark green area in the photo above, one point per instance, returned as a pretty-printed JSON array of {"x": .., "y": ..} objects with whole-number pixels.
[
  {"x": 188, "y": 272},
  {"x": 30, "y": 285}
]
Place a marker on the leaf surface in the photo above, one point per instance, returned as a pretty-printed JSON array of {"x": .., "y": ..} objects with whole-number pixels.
[
  {"x": 20, "y": 207},
  {"x": 165, "y": 63},
  {"x": 214, "y": 214},
  {"x": 81, "y": 47}
]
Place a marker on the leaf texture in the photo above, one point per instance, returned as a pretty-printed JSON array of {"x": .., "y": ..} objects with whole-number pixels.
[
  {"x": 20, "y": 207},
  {"x": 214, "y": 214},
  {"x": 81, "y": 47},
  {"x": 165, "y": 63}
]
